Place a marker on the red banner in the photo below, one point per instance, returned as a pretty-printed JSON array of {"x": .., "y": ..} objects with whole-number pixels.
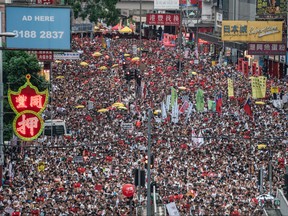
[
  {"x": 163, "y": 19},
  {"x": 45, "y": 55},
  {"x": 245, "y": 68},
  {"x": 240, "y": 68}
]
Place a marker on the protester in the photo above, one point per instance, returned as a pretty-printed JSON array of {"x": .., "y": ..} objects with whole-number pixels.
[{"x": 206, "y": 162}]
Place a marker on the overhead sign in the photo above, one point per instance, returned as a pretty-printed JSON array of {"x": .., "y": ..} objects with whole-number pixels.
[
  {"x": 44, "y": 2},
  {"x": 252, "y": 31},
  {"x": 266, "y": 49},
  {"x": 188, "y": 3},
  {"x": 39, "y": 28},
  {"x": 268, "y": 7},
  {"x": 163, "y": 19},
  {"x": 67, "y": 55},
  {"x": 166, "y": 4}
]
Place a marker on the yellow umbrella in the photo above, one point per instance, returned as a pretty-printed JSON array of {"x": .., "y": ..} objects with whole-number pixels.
[
  {"x": 182, "y": 88},
  {"x": 194, "y": 73},
  {"x": 97, "y": 54},
  {"x": 84, "y": 64},
  {"x": 103, "y": 68},
  {"x": 79, "y": 106},
  {"x": 126, "y": 55},
  {"x": 57, "y": 61},
  {"x": 60, "y": 77},
  {"x": 135, "y": 59},
  {"x": 41, "y": 166},
  {"x": 102, "y": 110},
  {"x": 260, "y": 102},
  {"x": 118, "y": 104},
  {"x": 156, "y": 112},
  {"x": 261, "y": 146},
  {"x": 122, "y": 107},
  {"x": 115, "y": 65}
]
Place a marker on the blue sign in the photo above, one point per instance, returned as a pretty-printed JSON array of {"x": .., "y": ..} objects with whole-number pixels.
[{"x": 39, "y": 28}]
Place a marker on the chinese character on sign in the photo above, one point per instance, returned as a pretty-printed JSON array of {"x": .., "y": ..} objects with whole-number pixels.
[
  {"x": 28, "y": 123},
  {"x": 259, "y": 47},
  {"x": 168, "y": 18},
  {"x": 234, "y": 29},
  {"x": 252, "y": 46},
  {"x": 21, "y": 101},
  {"x": 36, "y": 101},
  {"x": 274, "y": 47},
  {"x": 153, "y": 18},
  {"x": 267, "y": 47},
  {"x": 176, "y": 19},
  {"x": 226, "y": 29},
  {"x": 160, "y": 18},
  {"x": 243, "y": 29},
  {"x": 281, "y": 47}
]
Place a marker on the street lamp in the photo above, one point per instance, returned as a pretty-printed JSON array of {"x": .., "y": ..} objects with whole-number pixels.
[{"x": 2, "y": 34}]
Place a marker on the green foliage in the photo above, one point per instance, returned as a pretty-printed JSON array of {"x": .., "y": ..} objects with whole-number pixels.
[
  {"x": 95, "y": 10},
  {"x": 16, "y": 64}
]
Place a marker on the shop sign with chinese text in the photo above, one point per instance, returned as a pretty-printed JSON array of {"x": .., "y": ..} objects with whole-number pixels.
[
  {"x": 28, "y": 104},
  {"x": 266, "y": 49},
  {"x": 252, "y": 31},
  {"x": 163, "y": 19}
]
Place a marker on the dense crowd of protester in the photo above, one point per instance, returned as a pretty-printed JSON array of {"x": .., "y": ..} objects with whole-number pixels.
[{"x": 207, "y": 162}]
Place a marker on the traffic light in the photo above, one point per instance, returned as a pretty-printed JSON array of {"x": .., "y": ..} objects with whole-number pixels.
[
  {"x": 127, "y": 75},
  {"x": 136, "y": 177},
  {"x": 152, "y": 162},
  {"x": 124, "y": 66}
]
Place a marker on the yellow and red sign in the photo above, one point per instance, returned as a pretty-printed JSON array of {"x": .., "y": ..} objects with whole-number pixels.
[
  {"x": 252, "y": 31},
  {"x": 28, "y": 104}
]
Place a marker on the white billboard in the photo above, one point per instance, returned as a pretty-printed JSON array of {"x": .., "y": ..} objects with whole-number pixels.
[{"x": 166, "y": 4}]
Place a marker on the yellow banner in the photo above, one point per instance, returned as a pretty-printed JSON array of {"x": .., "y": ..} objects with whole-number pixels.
[
  {"x": 274, "y": 89},
  {"x": 230, "y": 88},
  {"x": 252, "y": 31},
  {"x": 262, "y": 83},
  {"x": 256, "y": 90}
]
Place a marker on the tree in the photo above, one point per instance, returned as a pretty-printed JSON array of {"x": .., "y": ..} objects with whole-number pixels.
[
  {"x": 16, "y": 64},
  {"x": 95, "y": 10}
]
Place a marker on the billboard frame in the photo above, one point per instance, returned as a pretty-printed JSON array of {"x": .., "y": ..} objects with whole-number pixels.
[{"x": 44, "y": 7}]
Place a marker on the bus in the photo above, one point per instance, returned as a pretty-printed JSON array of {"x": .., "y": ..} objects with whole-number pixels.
[{"x": 58, "y": 127}]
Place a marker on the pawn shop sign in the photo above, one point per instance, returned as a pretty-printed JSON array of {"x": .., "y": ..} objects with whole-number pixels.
[{"x": 28, "y": 104}]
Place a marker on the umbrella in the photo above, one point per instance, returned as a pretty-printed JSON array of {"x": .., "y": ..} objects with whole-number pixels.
[
  {"x": 103, "y": 68},
  {"x": 261, "y": 146},
  {"x": 118, "y": 104},
  {"x": 79, "y": 106},
  {"x": 60, "y": 77},
  {"x": 126, "y": 54},
  {"x": 84, "y": 64},
  {"x": 156, "y": 112},
  {"x": 125, "y": 30},
  {"x": 182, "y": 88},
  {"x": 135, "y": 59},
  {"x": 115, "y": 65},
  {"x": 57, "y": 61},
  {"x": 102, "y": 110},
  {"x": 97, "y": 54},
  {"x": 260, "y": 102},
  {"x": 122, "y": 107},
  {"x": 194, "y": 73}
]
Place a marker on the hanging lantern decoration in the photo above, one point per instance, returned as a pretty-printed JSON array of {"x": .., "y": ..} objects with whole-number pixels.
[
  {"x": 128, "y": 190},
  {"x": 28, "y": 104}
]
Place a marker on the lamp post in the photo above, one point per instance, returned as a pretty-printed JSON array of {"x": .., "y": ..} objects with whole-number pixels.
[{"x": 2, "y": 34}]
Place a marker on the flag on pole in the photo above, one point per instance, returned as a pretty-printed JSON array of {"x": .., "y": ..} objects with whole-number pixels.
[
  {"x": 200, "y": 100},
  {"x": 173, "y": 96},
  {"x": 163, "y": 110},
  {"x": 184, "y": 107},
  {"x": 212, "y": 105},
  {"x": 230, "y": 88},
  {"x": 219, "y": 103},
  {"x": 247, "y": 107}
]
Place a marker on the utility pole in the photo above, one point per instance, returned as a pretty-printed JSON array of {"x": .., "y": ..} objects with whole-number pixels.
[
  {"x": 149, "y": 164},
  {"x": 180, "y": 40}
]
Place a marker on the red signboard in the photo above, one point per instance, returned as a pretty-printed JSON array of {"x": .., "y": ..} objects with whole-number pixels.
[
  {"x": 28, "y": 104},
  {"x": 266, "y": 49},
  {"x": 163, "y": 19},
  {"x": 45, "y": 55},
  {"x": 44, "y": 1}
]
